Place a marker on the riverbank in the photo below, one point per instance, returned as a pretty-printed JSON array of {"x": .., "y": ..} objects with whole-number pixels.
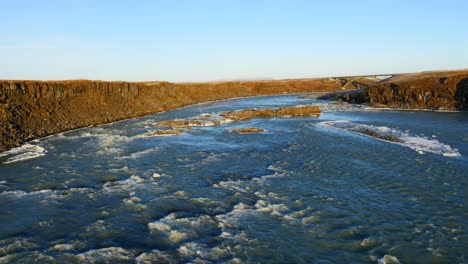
[
  {"x": 434, "y": 90},
  {"x": 34, "y": 109}
]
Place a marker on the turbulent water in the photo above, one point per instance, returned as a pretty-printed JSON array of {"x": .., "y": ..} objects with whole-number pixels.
[{"x": 308, "y": 190}]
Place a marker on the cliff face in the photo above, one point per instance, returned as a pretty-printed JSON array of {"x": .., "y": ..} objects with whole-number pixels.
[
  {"x": 441, "y": 90},
  {"x": 33, "y": 109}
]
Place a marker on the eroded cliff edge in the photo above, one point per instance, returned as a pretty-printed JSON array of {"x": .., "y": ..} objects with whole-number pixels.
[
  {"x": 34, "y": 109},
  {"x": 435, "y": 90}
]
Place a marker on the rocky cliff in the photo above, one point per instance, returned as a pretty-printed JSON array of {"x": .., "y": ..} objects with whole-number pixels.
[
  {"x": 437, "y": 90},
  {"x": 33, "y": 109}
]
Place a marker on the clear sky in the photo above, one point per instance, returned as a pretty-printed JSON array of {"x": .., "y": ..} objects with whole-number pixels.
[{"x": 202, "y": 40}]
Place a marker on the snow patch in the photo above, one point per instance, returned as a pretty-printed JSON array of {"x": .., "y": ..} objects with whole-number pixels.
[{"x": 417, "y": 143}]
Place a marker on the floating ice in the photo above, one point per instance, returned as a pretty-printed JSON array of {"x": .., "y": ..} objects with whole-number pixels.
[
  {"x": 417, "y": 143},
  {"x": 24, "y": 152}
]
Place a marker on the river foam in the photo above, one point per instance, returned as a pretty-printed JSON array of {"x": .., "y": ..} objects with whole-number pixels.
[
  {"x": 109, "y": 194},
  {"x": 24, "y": 152}
]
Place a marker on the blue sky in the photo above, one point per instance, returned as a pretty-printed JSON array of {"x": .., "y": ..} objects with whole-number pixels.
[{"x": 203, "y": 40}]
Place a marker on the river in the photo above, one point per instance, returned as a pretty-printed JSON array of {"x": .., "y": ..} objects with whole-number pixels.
[{"x": 307, "y": 190}]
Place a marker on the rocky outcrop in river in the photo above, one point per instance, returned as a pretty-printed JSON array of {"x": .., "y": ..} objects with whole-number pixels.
[
  {"x": 34, "y": 109},
  {"x": 438, "y": 90}
]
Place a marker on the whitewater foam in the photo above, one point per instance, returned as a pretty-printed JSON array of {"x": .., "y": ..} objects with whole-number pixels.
[
  {"x": 12, "y": 245},
  {"x": 139, "y": 154},
  {"x": 107, "y": 255},
  {"x": 388, "y": 259},
  {"x": 192, "y": 249},
  {"x": 22, "y": 153},
  {"x": 104, "y": 137},
  {"x": 129, "y": 184},
  {"x": 155, "y": 256},
  {"x": 201, "y": 252},
  {"x": 46, "y": 194}
]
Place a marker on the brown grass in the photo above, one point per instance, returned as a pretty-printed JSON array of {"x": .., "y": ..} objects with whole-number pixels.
[
  {"x": 269, "y": 112},
  {"x": 164, "y": 133},
  {"x": 375, "y": 134},
  {"x": 247, "y": 130}
]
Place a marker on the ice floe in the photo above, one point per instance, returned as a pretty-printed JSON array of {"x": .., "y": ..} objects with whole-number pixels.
[{"x": 417, "y": 143}]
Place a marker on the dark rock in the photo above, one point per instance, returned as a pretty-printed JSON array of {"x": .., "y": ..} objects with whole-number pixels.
[
  {"x": 438, "y": 90},
  {"x": 461, "y": 94}
]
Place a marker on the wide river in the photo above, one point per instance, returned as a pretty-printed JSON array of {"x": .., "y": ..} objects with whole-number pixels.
[{"x": 307, "y": 190}]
